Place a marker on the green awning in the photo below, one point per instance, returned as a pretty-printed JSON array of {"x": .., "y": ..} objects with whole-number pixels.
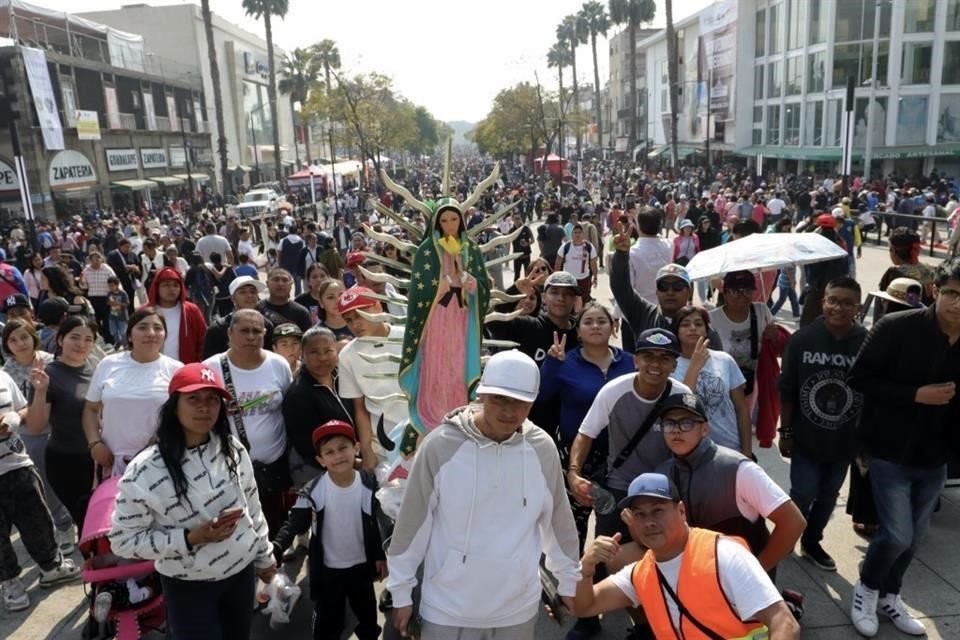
[
  {"x": 196, "y": 177},
  {"x": 131, "y": 185},
  {"x": 656, "y": 152},
  {"x": 792, "y": 153},
  {"x": 167, "y": 181}
]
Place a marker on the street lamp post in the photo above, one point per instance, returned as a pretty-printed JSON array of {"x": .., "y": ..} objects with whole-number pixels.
[
  {"x": 333, "y": 172},
  {"x": 868, "y": 150},
  {"x": 256, "y": 156}
]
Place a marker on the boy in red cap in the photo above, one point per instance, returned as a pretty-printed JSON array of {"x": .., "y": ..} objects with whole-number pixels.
[{"x": 346, "y": 549}]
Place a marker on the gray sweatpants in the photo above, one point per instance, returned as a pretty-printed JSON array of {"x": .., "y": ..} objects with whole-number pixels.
[{"x": 524, "y": 631}]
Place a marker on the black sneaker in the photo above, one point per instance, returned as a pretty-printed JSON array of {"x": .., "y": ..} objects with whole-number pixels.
[{"x": 815, "y": 554}]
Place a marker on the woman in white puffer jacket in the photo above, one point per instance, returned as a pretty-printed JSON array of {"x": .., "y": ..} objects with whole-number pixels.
[{"x": 189, "y": 503}]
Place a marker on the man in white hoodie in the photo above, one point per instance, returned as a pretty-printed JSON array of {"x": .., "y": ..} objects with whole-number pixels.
[{"x": 485, "y": 498}]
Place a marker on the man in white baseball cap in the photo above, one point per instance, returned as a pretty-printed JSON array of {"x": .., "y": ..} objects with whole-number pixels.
[
  {"x": 245, "y": 294},
  {"x": 484, "y": 499}
]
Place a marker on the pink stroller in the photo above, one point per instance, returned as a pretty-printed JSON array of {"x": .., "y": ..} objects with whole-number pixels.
[{"x": 125, "y": 597}]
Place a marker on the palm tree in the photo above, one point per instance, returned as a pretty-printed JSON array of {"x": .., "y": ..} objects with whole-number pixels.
[
  {"x": 593, "y": 21},
  {"x": 672, "y": 78},
  {"x": 632, "y": 13},
  {"x": 299, "y": 70},
  {"x": 267, "y": 9},
  {"x": 559, "y": 57},
  {"x": 568, "y": 34},
  {"x": 226, "y": 184},
  {"x": 327, "y": 56}
]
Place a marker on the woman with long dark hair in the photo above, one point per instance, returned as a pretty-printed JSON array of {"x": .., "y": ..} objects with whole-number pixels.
[
  {"x": 189, "y": 503},
  {"x": 59, "y": 283},
  {"x": 35, "y": 280}
]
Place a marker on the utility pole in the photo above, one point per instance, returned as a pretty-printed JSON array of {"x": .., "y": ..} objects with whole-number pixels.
[
  {"x": 333, "y": 172},
  {"x": 256, "y": 155},
  {"x": 186, "y": 161},
  {"x": 707, "y": 137}
]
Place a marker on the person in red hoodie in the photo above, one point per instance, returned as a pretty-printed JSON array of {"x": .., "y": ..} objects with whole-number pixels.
[{"x": 185, "y": 324}]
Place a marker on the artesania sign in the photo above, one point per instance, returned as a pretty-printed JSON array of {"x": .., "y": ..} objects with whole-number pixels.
[
  {"x": 70, "y": 169},
  {"x": 122, "y": 159}
]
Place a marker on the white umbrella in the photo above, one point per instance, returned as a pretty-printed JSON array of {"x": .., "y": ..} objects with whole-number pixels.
[{"x": 763, "y": 252}]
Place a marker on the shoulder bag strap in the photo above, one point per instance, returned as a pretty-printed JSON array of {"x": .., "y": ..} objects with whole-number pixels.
[
  {"x": 684, "y": 612},
  {"x": 234, "y": 407},
  {"x": 754, "y": 333},
  {"x": 643, "y": 430}
]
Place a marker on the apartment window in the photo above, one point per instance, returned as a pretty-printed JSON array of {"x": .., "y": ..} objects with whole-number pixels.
[
  {"x": 856, "y": 60},
  {"x": 953, "y": 15},
  {"x": 774, "y": 79},
  {"x": 813, "y": 124},
  {"x": 834, "y": 120},
  {"x": 861, "y": 119},
  {"x": 951, "y": 63},
  {"x": 773, "y": 125},
  {"x": 948, "y": 124},
  {"x": 916, "y": 61},
  {"x": 818, "y": 21},
  {"x": 795, "y": 19},
  {"x": 776, "y": 28},
  {"x": 757, "y": 136},
  {"x": 791, "y": 125},
  {"x": 918, "y": 15},
  {"x": 757, "y": 115},
  {"x": 761, "y": 33},
  {"x": 912, "y": 120},
  {"x": 794, "y": 76},
  {"x": 855, "y": 19},
  {"x": 758, "y": 82},
  {"x": 816, "y": 71}
]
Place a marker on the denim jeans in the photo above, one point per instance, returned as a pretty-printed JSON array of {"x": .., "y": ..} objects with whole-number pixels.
[
  {"x": 814, "y": 487},
  {"x": 905, "y": 498},
  {"x": 118, "y": 330},
  {"x": 787, "y": 293}
]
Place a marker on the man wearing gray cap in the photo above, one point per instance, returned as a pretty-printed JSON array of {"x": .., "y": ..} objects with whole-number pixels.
[
  {"x": 692, "y": 583},
  {"x": 484, "y": 499}
]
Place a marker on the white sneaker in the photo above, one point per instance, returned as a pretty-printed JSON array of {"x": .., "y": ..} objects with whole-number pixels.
[
  {"x": 15, "y": 596},
  {"x": 863, "y": 613},
  {"x": 66, "y": 572},
  {"x": 67, "y": 539},
  {"x": 891, "y": 606}
]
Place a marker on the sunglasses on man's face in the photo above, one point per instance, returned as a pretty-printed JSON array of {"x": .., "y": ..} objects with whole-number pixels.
[{"x": 671, "y": 285}]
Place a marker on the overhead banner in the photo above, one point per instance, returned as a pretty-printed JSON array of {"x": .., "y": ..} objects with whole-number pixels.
[
  {"x": 113, "y": 109},
  {"x": 153, "y": 158},
  {"x": 38, "y": 75},
  {"x": 149, "y": 112},
  {"x": 718, "y": 28},
  {"x": 88, "y": 125},
  {"x": 121, "y": 159},
  {"x": 71, "y": 169}
]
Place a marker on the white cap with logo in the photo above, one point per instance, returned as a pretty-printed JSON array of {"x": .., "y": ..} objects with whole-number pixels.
[{"x": 512, "y": 374}]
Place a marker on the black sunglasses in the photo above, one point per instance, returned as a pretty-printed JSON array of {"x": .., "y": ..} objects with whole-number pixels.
[{"x": 676, "y": 285}]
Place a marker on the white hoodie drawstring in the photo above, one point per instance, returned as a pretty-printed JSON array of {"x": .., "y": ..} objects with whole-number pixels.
[{"x": 523, "y": 467}]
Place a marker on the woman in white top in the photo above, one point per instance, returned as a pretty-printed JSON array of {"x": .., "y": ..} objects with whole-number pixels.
[
  {"x": 36, "y": 282},
  {"x": 127, "y": 390},
  {"x": 716, "y": 379}
]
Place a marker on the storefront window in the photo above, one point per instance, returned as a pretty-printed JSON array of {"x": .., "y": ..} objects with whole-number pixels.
[
  {"x": 915, "y": 65},
  {"x": 816, "y": 71},
  {"x": 918, "y": 15},
  {"x": 912, "y": 120},
  {"x": 813, "y": 124},
  {"x": 761, "y": 33},
  {"x": 774, "y": 79},
  {"x": 794, "y": 76},
  {"x": 951, "y": 63},
  {"x": 773, "y": 125},
  {"x": 948, "y": 124},
  {"x": 791, "y": 125},
  {"x": 862, "y": 121},
  {"x": 818, "y": 21},
  {"x": 776, "y": 28}
]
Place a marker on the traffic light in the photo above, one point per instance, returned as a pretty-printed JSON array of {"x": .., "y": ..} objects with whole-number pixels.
[{"x": 9, "y": 105}]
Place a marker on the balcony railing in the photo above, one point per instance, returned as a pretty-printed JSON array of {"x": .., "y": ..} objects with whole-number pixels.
[
  {"x": 163, "y": 123},
  {"x": 128, "y": 121}
]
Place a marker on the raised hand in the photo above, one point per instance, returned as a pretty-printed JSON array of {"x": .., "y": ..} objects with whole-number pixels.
[
  {"x": 559, "y": 348},
  {"x": 621, "y": 239},
  {"x": 38, "y": 377},
  {"x": 701, "y": 353}
]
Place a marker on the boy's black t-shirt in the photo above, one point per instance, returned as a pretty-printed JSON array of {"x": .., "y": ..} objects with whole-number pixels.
[{"x": 814, "y": 378}]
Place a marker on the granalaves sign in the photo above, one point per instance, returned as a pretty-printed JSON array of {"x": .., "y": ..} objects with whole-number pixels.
[
  {"x": 122, "y": 160},
  {"x": 70, "y": 169}
]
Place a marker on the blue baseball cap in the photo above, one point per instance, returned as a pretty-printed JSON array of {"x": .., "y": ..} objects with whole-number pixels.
[
  {"x": 659, "y": 340},
  {"x": 650, "y": 485}
]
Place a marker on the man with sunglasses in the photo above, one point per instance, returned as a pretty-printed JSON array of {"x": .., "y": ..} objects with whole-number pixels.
[
  {"x": 724, "y": 490},
  {"x": 907, "y": 370},
  {"x": 673, "y": 291}
]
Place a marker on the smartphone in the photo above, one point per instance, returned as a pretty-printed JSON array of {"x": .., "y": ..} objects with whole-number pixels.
[{"x": 228, "y": 516}]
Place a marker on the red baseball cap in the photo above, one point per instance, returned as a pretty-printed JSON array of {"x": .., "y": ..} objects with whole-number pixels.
[
  {"x": 355, "y": 298},
  {"x": 355, "y": 259},
  {"x": 197, "y": 376},
  {"x": 826, "y": 220},
  {"x": 334, "y": 428}
]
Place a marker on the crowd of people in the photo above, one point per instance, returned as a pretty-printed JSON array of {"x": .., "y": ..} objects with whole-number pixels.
[{"x": 238, "y": 376}]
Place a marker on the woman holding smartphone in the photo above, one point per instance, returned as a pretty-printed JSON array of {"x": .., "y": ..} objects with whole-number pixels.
[{"x": 189, "y": 502}]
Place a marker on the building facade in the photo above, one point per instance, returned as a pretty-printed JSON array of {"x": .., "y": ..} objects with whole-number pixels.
[
  {"x": 98, "y": 125},
  {"x": 176, "y": 32},
  {"x": 617, "y": 124}
]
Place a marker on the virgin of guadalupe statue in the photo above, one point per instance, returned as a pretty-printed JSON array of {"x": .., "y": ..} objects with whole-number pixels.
[{"x": 447, "y": 302}]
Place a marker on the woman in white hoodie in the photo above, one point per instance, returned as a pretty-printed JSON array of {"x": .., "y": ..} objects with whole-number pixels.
[{"x": 190, "y": 503}]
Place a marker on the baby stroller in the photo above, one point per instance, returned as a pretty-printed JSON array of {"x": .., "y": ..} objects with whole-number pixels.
[{"x": 125, "y": 597}]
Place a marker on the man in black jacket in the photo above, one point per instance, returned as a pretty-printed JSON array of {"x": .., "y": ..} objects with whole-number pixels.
[
  {"x": 124, "y": 264},
  {"x": 907, "y": 370}
]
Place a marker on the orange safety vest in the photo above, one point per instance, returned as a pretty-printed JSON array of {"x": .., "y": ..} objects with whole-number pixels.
[{"x": 698, "y": 588}]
